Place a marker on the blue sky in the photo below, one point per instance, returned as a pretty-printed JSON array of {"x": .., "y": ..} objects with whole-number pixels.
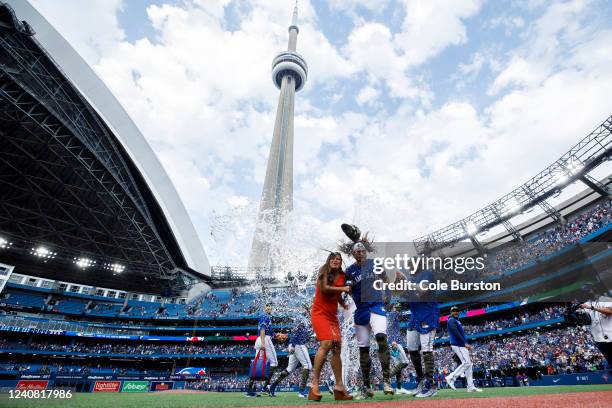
[{"x": 416, "y": 113}]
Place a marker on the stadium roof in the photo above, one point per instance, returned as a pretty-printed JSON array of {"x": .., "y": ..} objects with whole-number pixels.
[
  {"x": 76, "y": 174},
  {"x": 575, "y": 165}
]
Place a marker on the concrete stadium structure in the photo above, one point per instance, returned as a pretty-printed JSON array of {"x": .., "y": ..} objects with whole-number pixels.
[
  {"x": 289, "y": 74},
  {"x": 37, "y": 63}
]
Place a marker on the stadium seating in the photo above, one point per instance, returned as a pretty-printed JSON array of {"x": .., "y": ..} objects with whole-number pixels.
[
  {"x": 518, "y": 337},
  {"x": 16, "y": 298}
]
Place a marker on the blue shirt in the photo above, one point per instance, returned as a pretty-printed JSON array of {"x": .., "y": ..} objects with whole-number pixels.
[
  {"x": 424, "y": 316},
  {"x": 455, "y": 332},
  {"x": 265, "y": 323},
  {"x": 376, "y": 304},
  {"x": 300, "y": 332}
]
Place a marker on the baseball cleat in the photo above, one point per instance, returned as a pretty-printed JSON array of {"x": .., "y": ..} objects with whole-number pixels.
[
  {"x": 427, "y": 392},
  {"x": 388, "y": 389},
  {"x": 368, "y": 392},
  {"x": 418, "y": 388},
  {"x": 473, "y": 389},
  {"x": 451, "y": 382}
]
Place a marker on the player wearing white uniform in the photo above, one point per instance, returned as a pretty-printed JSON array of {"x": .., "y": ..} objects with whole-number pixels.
[
  {"x": 264, "y": 343},
  {"x": 600, "y": 312},
  {"x": 458, "y": 341},
  {"x": 298, "y": 354},
  {"x": 370, "y": 319}
]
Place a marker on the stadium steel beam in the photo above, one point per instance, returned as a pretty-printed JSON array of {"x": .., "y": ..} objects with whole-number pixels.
[
  {"x": 31, "y": 112},
  {"x": 477, "y": 244},
  {"x": 508, "y": 225},
  {"x": 596, "y": 185},
  {"x": 547, "y": 208},
  {"x": 577, "y": 162},
  {"x": 71, "y": 154}
]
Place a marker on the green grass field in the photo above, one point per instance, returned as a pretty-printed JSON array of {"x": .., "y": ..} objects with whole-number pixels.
[{"x": 219, "y": 400}]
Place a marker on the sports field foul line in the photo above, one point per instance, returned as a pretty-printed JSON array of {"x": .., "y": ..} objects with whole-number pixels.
[{"x": 233, "y": 399}]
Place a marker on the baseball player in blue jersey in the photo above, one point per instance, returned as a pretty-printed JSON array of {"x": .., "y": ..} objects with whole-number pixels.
[
  {"x": 264, "y": 342},
  {"x": 398, "y": 355},
  {"x": 298, "y": 353},
  {"x": 459, "y": 345},
  {"x": 424, "y": 320},
  {"x": 370, "y": 318}
]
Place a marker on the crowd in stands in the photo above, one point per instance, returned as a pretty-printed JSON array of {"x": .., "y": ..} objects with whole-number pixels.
[
  {"x": 548, "y": 313},
  {"x": 132, "y": 348},
  {"x": 219, "y": 383},
  {"x": 564, "y": 350},
  {"x": 552, "y": 239},
  {"x": 247, "y": 302},
  {"x": 560, "y": 351},
  {"x": 87, "y": 369},
  {"x": 556, "y": 351}
]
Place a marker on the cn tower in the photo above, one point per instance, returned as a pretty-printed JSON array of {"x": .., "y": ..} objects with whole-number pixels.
[{"x": 289, "y": 74}]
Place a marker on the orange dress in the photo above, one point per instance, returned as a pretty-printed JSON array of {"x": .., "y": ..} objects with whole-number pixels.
[{"x": 325, "y": 312}]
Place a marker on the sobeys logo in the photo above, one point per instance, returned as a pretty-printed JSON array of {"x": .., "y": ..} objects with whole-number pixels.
[{"x": 135, "y": 386}]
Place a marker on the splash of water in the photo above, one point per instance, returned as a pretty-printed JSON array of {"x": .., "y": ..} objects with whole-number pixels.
[{"x": 301, "y": 248}]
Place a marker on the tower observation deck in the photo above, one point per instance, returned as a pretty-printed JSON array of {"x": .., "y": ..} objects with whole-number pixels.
[{"x": 289, "y": 74}]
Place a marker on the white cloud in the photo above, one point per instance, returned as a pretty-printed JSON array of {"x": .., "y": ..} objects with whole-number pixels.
[
  {"x": 431, "y": 26},
  {"x": 91, "y": 27},
  {"x": 509, "y": 23},
  {"x": 546, "y": 41},
  {"x": 367, "y": 95},
  {"x": 474, "y": 67},
  {"x": 370, "y": 49},
  {"x": 203, "y": 97},
  {"x": 344, "y": 5}
]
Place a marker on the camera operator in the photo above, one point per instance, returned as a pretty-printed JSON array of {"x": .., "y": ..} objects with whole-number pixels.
[{"x": 600, "y": 313}]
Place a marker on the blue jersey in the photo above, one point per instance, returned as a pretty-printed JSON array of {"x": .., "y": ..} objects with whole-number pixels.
[
  {"x": 424, "y": 316},
  {"x": 300, "y": 333},
  {"x": 265, "y": 323},
  {"x": 375, "y": 303},
  {"x": 393, "y": 326},
  {"x": 455, "y": 332}
]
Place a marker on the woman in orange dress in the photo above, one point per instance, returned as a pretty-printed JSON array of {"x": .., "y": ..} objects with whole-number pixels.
[{"x": 330, "y": 286}]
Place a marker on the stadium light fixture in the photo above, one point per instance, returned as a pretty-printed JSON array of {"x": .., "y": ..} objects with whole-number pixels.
[
  {"x": 43, "y": 252},
  {"x": 84, "y": 262},
  {"x": 115, "y": 267},
  {"x": 561, "y": 178},
  {"x": 4, "y": 243},
  {"x": 574, "y": 166},
  {"x": 471, "y": 228}
]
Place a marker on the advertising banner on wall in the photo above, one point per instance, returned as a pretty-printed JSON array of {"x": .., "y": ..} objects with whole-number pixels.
[
  {"x": 106, "y": 386},
  {"x": 135, "y": 386},
  {"x": 162, "y": 385}
]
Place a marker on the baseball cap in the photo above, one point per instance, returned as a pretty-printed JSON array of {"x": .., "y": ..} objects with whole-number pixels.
[
  {"x": 454, "y": 309},
  {"x": 359, "y": 246}
]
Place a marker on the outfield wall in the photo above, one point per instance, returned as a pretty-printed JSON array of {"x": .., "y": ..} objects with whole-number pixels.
[{"x": 114, "y": 383}]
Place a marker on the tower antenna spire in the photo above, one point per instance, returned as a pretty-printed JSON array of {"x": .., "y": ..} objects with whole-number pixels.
[{"x": 294, "y": 20}]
